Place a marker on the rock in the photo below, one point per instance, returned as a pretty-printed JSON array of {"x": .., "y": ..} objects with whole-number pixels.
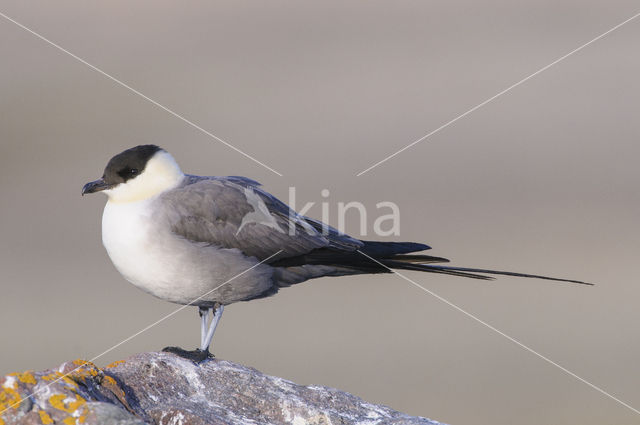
[{"x": 164, "y": 389}]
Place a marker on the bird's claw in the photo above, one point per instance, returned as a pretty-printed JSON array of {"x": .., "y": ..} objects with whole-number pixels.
[{"x": 196, "y": 356}]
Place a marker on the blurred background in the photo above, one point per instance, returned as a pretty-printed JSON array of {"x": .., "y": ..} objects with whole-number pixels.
[{"x": 542, "y": 180}]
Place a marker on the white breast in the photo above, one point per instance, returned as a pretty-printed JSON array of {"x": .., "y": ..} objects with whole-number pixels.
[
  {"x": 126, "y": 231},
  {"x": 149, "y": 255}
]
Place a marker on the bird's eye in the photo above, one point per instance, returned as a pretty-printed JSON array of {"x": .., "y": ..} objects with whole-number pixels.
[{"x": 127, "y": 173}]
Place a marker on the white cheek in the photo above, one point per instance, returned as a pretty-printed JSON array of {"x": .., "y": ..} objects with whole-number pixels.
[
  {"x": 108, "y": 192},
  {"x": 161, "y": 174},
  {"x": 135, "y": 189}
]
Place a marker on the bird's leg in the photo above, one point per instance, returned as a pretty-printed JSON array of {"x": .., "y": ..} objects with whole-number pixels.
[
  {"x": 204, "y": 321},
  {"x": 217, "y": 314},
  {"x": 206, "y": 335}
]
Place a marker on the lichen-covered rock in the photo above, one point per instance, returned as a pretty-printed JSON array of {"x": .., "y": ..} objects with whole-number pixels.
[
  {"x": 75, "y": 393},
  {"x": 164, "y": 389}
]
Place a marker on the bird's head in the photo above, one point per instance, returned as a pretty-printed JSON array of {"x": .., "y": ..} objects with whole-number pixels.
[{"x": 136, "y": 174}]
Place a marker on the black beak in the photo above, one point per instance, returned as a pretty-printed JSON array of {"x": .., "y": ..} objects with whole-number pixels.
[{"x": 95, "y": 186}]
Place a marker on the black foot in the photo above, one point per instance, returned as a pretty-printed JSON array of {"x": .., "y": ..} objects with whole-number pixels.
[{"x": 196, "y": 356}]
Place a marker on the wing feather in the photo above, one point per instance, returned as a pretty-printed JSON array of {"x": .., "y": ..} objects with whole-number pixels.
[{"x": 233, "y": 212}]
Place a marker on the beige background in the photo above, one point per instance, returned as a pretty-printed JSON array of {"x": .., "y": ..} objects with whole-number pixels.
[{"x": 542, "y": 180}]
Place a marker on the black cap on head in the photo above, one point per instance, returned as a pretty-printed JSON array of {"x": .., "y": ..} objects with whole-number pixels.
[
  {"x": 128, "y": 164},
  {"x": 122, "y": 167}
]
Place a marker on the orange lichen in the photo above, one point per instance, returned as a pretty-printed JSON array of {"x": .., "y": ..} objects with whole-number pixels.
[
  {"x": 45, "y": 418},
  {"x": 109, "y": 381},
  {"x": 73, "y": 420},
  {"x": 68, "y": 380},
  {"x": 112, "y": 385},
  {"x": 83, "y": 363},
  {"x": 114, "y": 364},
  {"x": 71, "y": 403},
  {"x": 54, "y": 376},
  {"x": 26, "y": 377},
  {"x": 58, "y": 401},
  {"x": 9, "y": 398},
  {"x": 84, "y": 370}
]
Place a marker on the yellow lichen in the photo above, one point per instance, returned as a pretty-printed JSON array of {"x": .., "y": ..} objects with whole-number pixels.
[
  {"x": 26, "y": 377},
  {"x": 84, "y": 370},
  {"x": 69, "y": 381},
  {"x": 45, "y": 418},
  {"x": 55, "y": 376},
  {"x": 74, "y": 420},
  {"x": 83, "y": 363},
  {"x": 114, "y": 364},
  {"x": 107, "y": 380},
  {"x": 9, "y": 398},
  {"x": 50, "y": 377},
  {"x": 57, "y": 401}
]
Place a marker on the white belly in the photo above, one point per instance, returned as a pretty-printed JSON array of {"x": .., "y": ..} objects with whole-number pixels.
[
  {"x": 149, "y": 256},
  {"x": 126, "y": 235}
]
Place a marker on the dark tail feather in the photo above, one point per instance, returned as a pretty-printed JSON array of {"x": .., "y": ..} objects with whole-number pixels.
[
  {"x": 419, "y": 259},
  {"x": 399, "y": 264},
  {"x": 396, "y": 255},
  {"x": 535, "y": 276},
  {"x": 380, "y": 257},
  {"x": 377, "y": 249},
  {"x": 354, "y": 259}
]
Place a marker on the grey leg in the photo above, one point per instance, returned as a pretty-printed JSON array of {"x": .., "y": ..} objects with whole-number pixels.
[
  {"x": 217, "y": 314},
  {"x": 204, "y": 321},
  {"x": 206, "y": 335}
]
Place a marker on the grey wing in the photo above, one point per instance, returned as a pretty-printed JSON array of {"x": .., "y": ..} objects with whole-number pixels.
[{"x": 233, "y": 212}]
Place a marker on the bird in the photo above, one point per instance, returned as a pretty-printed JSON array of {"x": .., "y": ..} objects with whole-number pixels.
[{"x": 211, "y": 241}]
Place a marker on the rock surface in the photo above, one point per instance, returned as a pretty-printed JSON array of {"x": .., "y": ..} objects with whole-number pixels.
[{"x": 164, "y": 389}]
